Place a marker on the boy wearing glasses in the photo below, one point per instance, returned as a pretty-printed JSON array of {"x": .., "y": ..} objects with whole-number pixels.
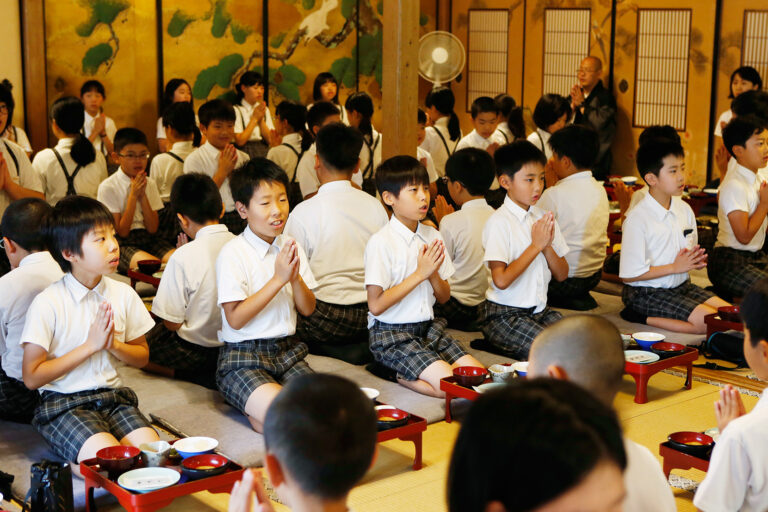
[{"x": 134, "y": 200}]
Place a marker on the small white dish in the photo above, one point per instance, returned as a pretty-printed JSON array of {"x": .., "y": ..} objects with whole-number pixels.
[
  {"x": 148, "y": 479},
  {"x": 371, "y": 393},
  {"x": 640, "y": 356},
  {"x": 488, "y": 386},
  {"x": 710, "y": 191}
]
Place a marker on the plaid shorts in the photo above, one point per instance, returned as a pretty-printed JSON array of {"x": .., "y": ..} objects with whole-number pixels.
[
  {"x": 17, "y": 403},
  {"x": 68, "y": 420},
  {"x": 409, "y": 349},
  {"x": 574, "y": 286},
  {"x": 459, "y": 316},
  {"x": 141, "y": 240},
  {"x": 677, "y": 303},
  {"x": 168, "y": 349},
  {"x": 733, "y": 272},
  {"x": 512, "y": 330},
  {"x": 169, "y": 227},
  {"x": 246, "y": 365},
  {"x": 235, "y": 224},
  {"x": 336, "y": 324}
]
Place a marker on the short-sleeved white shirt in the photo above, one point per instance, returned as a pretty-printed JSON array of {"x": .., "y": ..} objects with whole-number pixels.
[
  {"x": 21, "y": 138},
  {"x": 739, "y": 192},
  {"x": 109, "y": 127},
  {"x": 504, "y": 133},
  {"x": 52, "y": 177},
  {"x": 243, "y": 113},
  {"x": 653, "y": 236},
  {"x": 285, "y": 157},
  {"x": 580, "y": 205},
  {"x": 19, "y": 287},
  {"x": 647, "y": 487},
  {"x": 23, "y": 174},
  {"x": 506, "y": 236},
  {"x": 205, "y": 159},
  {"x": 392, "y": 255},
  {"x": 540, "y": 139},
  {"x": 475, "y": 140},
  {"x": 187, "y": 293},
  {"x": 333, "y": 227},
  {"x": 372, "y": 150},
  {"x": 435, "y": 146},
  {"x": 113, "y": 193},
  {"x": 725, "y": 117},
  {"x": 61, "y": 316},
  {"x": 423, "y": 155},
  {"x": 165, "y": 168},
  {"x": 307, "y": 175},
  {"x": 462, "y": 232},
  {"x": 243, "y": 267},
  {"x": 737, "y": 478}
]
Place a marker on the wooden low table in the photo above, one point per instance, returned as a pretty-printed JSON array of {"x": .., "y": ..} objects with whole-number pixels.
[
  {"x": 642, "y": 372},
  {"x": 716, "y": 324},
  {"x": 135, "y": 276},
  {"x": 411, "y": 431},
  {"x": 675, "y": 459}
]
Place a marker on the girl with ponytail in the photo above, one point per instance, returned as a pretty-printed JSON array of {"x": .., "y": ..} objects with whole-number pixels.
[
  {"x": 359, "y": 108},
  {"x": 444, "y": 133},
  {"x": 511, "y": 123},
  {"x": 177, "y": 90},
  {"x": 73, "y": 166}
]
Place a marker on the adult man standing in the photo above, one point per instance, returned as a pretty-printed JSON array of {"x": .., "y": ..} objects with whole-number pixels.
[{"x": 595, "y": 106}]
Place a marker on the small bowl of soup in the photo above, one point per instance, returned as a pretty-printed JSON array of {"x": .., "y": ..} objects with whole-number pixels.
[
  {"x": 116, "y": 460},
  {"x": 693, "y": 443},
  {"x": 203, "y": 466},
  {"x": 469, "y": 376},
  {"x": 388, "y": 416}
]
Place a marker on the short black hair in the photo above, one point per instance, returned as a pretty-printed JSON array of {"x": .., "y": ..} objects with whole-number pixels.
[
  {"x": 216, "y": 110},
  {"x": 181, "y": 117},
  {"x": 320, "y": 80},
  {"x": 658, "y": 131},
  {"x": 248, "y": 79},
  {"x": 71, "y": 219},
  {"x": 126, "y": 136},
  {"x": 505, "y": 103},
  {"x": 549, "y": 109},
  {"x": 753, "y": 308},
  {"x": 739, "y": 130},
  {"x": 196, "y": 196},
  {"x": 93, "y": 85},
  {"x": 483, "y": 104},
  {"x": 578, "y": 142},
  {"x": 319, "y": 112},
  {"x": 535, "y": 420},
  {"x": 747, "y": 73},
  {"x": 245, "y": 181},
  {"x": 24, "y": 221},
  {"x": 322, "y": 430},
  {"x": 421, "y": 117},
  {"x": 473, "y": 168},
  {"x": 396, "y": 173},
  {"x": 751, "y": 103},
  {"x": 6, "y": 96},
  {"x": 511, "y": 157},
  {"x": 338, "y": 146},
  {"x": 650, "y": 156},
  {"x": 292, "y": 112}
]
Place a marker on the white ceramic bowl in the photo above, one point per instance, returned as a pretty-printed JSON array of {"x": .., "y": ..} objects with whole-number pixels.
[
  {"x": 371, "y": 393},
  {"x": 156, "y": 453},
  {"x": 629, "y": 180},
  {"x": 190, "y": 446},
  {"x": 521, "y": 367},
  {"x": 646, "y": 339}
]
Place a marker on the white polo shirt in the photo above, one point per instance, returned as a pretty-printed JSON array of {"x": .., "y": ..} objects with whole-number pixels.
[
  {"x": 540, "y": 139},
  {"x": 307, "y": 175},
  {"x": 390, "y": 256},
  {"x": 653, "y": 236},
  {"x": 187, "y": 294},
  {"x": 285, "y": 157},
  {"x": 61, "y": 316},
  {"x": 165, "y": 168},
  {"x": 647, "y": 487},
  {"x": 580, "y": 205},
  {"x": 52, "y": 177},
  {"x": 423, "y": 155},
  {"x": 738, "y": 470},
  {"x": 20, "y": 286},
  {"x": 739, "y": 192},
  {"x": 475, "y": 140},
  {"x": 333, "y": 227},
  {"x": 113, "y": 193},
  {"x": 506, "y": 235},
  {"x": 243, "y": 113},
  {"x": 435, "y": 146},
  {"x": 463, "y": 234},
  {"x": 243, "y": 267},
  {"x": 109, "y": 127},
  {"x": 504, "y": 133},
  {"x": 23, "y": 175},
  {"x": 205, "y": 159}
]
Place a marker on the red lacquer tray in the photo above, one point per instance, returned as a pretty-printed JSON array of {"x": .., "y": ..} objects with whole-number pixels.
[
  {"x": 642, "y": 372},
  {"x": 411, "y": 431}
]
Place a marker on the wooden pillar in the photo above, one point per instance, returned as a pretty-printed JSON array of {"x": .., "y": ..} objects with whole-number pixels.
[
  {"x": 35, "y": 83},
  {"x": 400, "y": 76}
]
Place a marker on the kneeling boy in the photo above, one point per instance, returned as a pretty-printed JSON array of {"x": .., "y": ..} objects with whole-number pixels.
[
  {"x": 263, "y": 279},
  {"x": 76, "y": 331}
]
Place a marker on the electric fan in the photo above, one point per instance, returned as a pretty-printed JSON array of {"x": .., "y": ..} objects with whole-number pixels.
[{"x": 441, "y": 57}]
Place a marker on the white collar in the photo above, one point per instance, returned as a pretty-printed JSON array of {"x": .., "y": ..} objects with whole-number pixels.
[
  {"x": 291, "y": 137},
  {"x": 122, "y": 176},
  {"x": 210, "y": 230},
  {"x": 248, "y": 105},
  {"x": 746, "y": 173},
  {"x": 262, "y": 247},
  {"x": 183, "y": 144},
  {"x": 36, "y": 257},
  {"x": 656, "y": 208},
  {"x": 545, "y": 135},
  {"x": 89, "y": 117},
  {"x": 210, "y": 148},
  {"x": 334, "y": 185},
  {"x": 515, "y": 209},
  {"x": 582, "y": 175},
  {"x": 474, "y": 203},
  {"x": 406, "y": 234},
  {"x": 65, "y": 143},
  {"x": 80, "y": 291},
  {"x": 443, "y": 121}
]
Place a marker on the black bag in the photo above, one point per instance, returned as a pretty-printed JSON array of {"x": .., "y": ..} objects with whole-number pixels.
[
  {"x": 51, "y": 488},
  {"x": 727, "y": 346}
]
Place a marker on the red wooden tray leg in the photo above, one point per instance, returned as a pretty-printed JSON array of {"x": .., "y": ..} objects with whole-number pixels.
[
  {"x": 416, "y": 440},
  {"x": 688, "y": 375},
  {"x": 90, "y": 501},
  {"x": 641, "y": 388},
  {"x": 448, "y": 399}
]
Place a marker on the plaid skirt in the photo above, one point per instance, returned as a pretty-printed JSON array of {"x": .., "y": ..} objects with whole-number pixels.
[
  {"x": 409, "y": 349},
  {"x": 169, "y": 227},
  {"x": 574, "y": 286},
  {"x": 255, "y": 148},
  {"x": 67, "y": 420},
  {"x": 677, "y": 303},
  {"x": 733, "y": 271},
  {"x": 235, "y": 224},
  {"x": 141, "y": 240},
  {"x": 17, "y": 402},
  {"x": 459, "y": 316},
  {"x": 512, "y": 330},
  {"x": 336, "y": 324},
  {"x": 168, "y": 349},
  {"x": 245, "y": 365}
]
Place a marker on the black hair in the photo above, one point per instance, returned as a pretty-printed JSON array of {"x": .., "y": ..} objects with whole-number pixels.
[
  {"x": 170, "y": 91},
  {"x": 322, "y": 430},
  {"x": 361, "y": 103},
  {"x": 126, "y": 136},
  {"x": 511, "y": 157},
  {"x": 658, "y": 131},
  {"x": 93, "y": 85},
  {"x": 316, "y": 116},
  {"x": 320, "y": 80},
  {"x": 71, "y": 219},
  {"x": 473, "y": 168},
  {"x": 443, "y": 100},
  {"x": 739, "y": 130},
  {"x": 216, "y": 110},
  {"x": 196, "y": 196},
  {"x": 650, "y": 156},
  {"x": 483, "y": 104},
  {"x": 421, "y": 117},
  {"x": 513, "y": 113},
  {"x": 747, "y": 73},
  {"x": 248, "y": 79},
  {"x": 506, "y": 430},
  {"x": 549, "y": 109},
  {"x": 24, "y": 221},
  {"x": 578, "y": 142},
  {"x": 294, "y": 113},
  {"x": 338, "y": 146},
  {"x": 245, "y": 181},
  {"x": 69, "y": 114},
  {"x": 751, "y": 103},
  {"x": 181, "y": 117},
  {"x": 6, "y": 96},
  {"x": 753, "y": 308},
  {"x": 396, "y": 173}
]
